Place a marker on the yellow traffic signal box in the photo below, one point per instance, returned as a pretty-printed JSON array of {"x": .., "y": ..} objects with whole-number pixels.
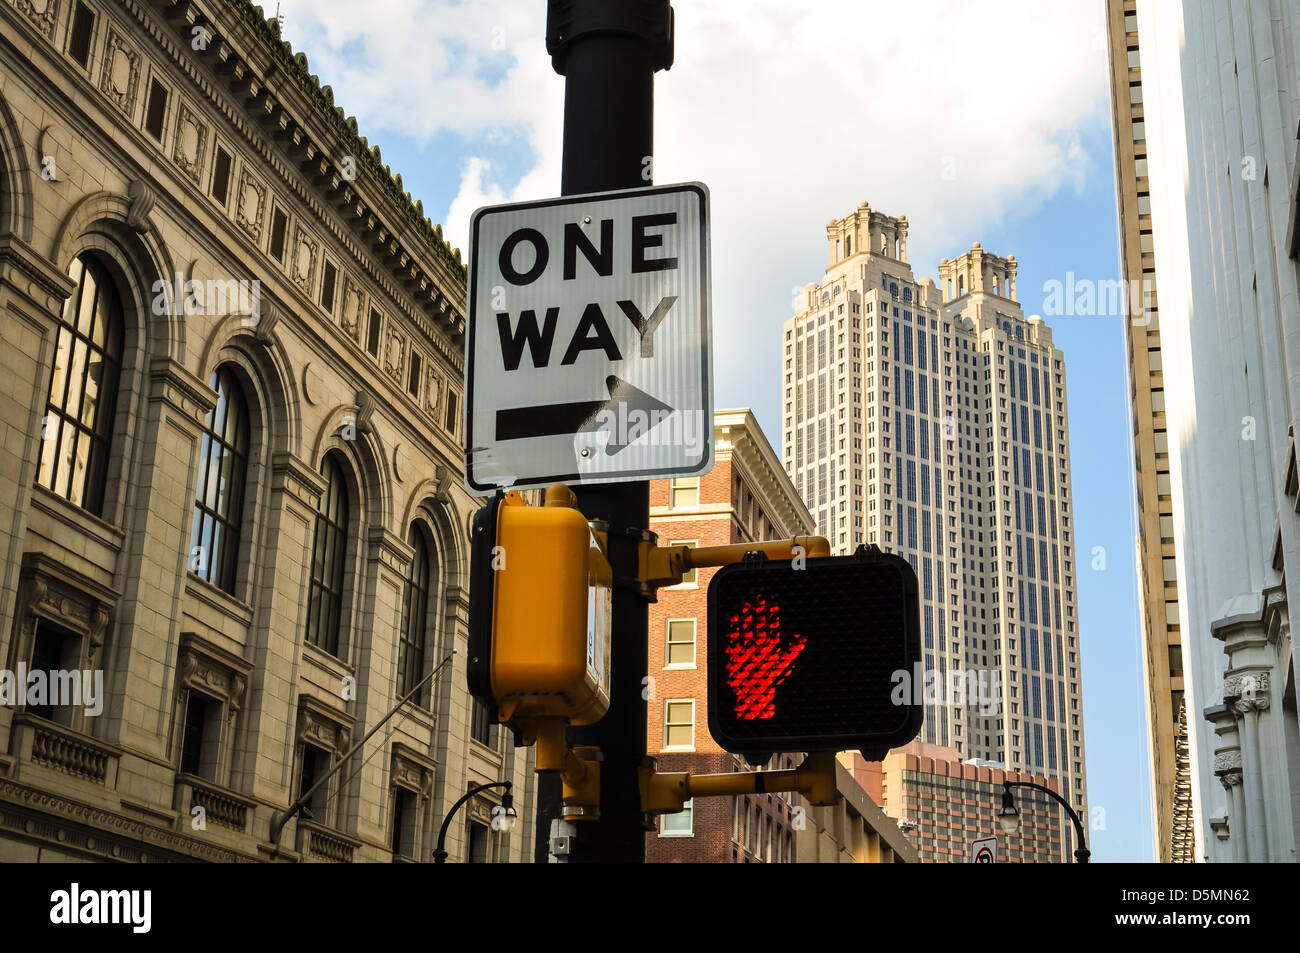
[{"x": 540, "y": 600}]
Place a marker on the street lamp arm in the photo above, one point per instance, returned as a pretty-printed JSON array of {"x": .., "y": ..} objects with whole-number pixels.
[
  {"x": 1082, "y": 853},
  {"x": 439, "y": 852}
]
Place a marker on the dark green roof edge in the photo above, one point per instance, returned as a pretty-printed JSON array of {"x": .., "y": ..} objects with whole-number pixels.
[{"x": 368, "y": 158}]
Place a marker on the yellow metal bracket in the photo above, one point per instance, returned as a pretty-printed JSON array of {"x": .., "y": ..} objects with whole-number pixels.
[
  {"x": 668, "y": 793},
  {"x": 579, "y": 768},
  {"x": 665, "y": 565}
]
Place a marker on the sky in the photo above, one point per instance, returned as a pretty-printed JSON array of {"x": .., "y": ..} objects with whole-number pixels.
[{"x": 982, "y": 122}]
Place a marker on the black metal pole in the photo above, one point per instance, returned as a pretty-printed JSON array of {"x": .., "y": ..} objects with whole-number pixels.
[
  {"x": 440, "y": 852},
  {"x": 608, "y": 53},
  {"x": 1081, "y": 853}
]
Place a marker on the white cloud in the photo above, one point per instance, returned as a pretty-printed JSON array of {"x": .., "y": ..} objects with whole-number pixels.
[{"x": 793, "y": 112}]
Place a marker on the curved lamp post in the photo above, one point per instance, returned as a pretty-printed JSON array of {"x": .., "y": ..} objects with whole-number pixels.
[
  {"x": 1009, "y": 817},
  {"x": 507, "y": 805}
]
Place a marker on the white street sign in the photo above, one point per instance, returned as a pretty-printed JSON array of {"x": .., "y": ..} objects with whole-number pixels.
[
  {"x": 589, "y": 354},
  {"x": 984, "y": 851}
]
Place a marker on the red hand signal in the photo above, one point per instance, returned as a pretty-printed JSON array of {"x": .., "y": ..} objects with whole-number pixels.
[{"x": 757, "y": 662}]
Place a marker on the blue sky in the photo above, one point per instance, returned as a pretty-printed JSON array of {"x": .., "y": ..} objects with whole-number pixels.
[{"x": 793, "y": 112}]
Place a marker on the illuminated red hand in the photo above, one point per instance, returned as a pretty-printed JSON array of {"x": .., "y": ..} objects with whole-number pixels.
[{"x": 757, "y": 661}]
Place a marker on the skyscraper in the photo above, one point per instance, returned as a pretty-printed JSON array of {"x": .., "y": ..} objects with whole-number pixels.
[
  {"x": 1162, "y": 656},
  {"x": 932, "y": 421}
]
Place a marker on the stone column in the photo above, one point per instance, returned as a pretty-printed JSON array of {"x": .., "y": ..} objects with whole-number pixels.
[
  {"x": 32, "y": 293},
  {"x": 1253, "y": 778},
  {"x": 144, "y": 638},
  {"x": 1231, "y": 781},
  {"x": 275, "y": 641}
]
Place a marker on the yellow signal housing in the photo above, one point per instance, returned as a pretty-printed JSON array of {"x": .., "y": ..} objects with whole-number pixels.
[{"x": 550, "y": 613}]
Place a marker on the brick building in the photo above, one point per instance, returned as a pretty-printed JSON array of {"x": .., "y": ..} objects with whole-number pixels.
[
  {"x": 953, "y": 802},
  {"x": 746, "y": 497}
]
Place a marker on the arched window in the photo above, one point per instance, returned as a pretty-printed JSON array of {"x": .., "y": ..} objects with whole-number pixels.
[
  {"x": 328, "y": 557},
  {"x": 219, "y": 491},
  {"x": 78, "y": 425},
  {"x": 415, "y": 613}
]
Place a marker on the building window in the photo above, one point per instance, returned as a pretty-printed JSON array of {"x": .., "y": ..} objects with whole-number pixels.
[
  {"x": 413, "y": 374},
  {"x": 689, "y": 577},
  {"x": 329, "y": 282},
  {"x": 221, "y": 175},
  {"x": 219, "y": 493},
  {"x": 679, "y": 725},
  {"x": 481, "y": 727},
  {"x": 201, "y": 736},
  {"x": 680, "y": 824},
  {"x": 415, "y": 613},
  {"x": 372, "y": 332},
  {"x": 315, "y": 765},
  {"x": 329, "y": 555},
  {"x": 405, "y": 806},
  {"x": 78, "y": 425},
  {"x": 680, "y": 645},
  {"x": 279, "y": 224},
  {"x": 156, "y": 112},
  {"x": 685, "y": 492},
  {"x": 451, "y": 417},
  {"x": 83, "y": 28}
]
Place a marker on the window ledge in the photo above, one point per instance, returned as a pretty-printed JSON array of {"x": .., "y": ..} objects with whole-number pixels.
[
  {"x": 680, "y": 666},
  {"x": 326, "y": 661},
  {"x": 79, "y": 519},
  {"x": 219, "y": 599}
]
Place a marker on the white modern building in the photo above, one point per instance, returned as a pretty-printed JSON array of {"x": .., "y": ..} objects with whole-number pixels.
[
  {"x": 931, "y": 420},
  {"x": 1221, "y": 103}
]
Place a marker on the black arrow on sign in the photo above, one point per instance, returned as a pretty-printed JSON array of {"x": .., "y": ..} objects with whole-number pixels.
[{"x": 548, "y": 420}]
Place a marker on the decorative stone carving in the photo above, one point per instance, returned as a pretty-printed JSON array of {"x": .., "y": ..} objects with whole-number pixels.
[
  {"x": 265, "y": 333},
  {"x": 1245, "y": 684},
  {"x": 42, "y": 13},
  {"x": 191, "y": 142},
  {"x": 394, "y": 354},
  {"x": 432, "y": 392},
  {"x": 443, "y": 475},
  {"x": 252, "y": 201},
  {"x": 365, "y": 411},
  {"x": 59, "y": 594},
  {"x": 303, "y": 262},
  {"x": 353, "y": 307},
  {"x": 142, "y": 198},
  {"x": 1226, "y": 761},
  {"x": 121, "y": 73},
  {"x": 313, "y": 383}
]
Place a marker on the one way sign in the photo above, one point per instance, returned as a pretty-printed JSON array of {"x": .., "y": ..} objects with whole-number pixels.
[{"x": 589, "y": 353}]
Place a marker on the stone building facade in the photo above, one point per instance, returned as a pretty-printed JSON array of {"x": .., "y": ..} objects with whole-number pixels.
[{"x": 231, "y": 480}]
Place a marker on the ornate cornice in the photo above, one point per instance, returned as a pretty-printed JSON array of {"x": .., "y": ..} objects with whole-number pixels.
[
  {"x": 62, "y": 822},
  {"x": 390, "y": 549},
  {"x": 292, "y": 475},
  {"x": 319, "y": 150},
  {"x": 29, "y": 272},
  {"x": 171, "y": 382}
]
